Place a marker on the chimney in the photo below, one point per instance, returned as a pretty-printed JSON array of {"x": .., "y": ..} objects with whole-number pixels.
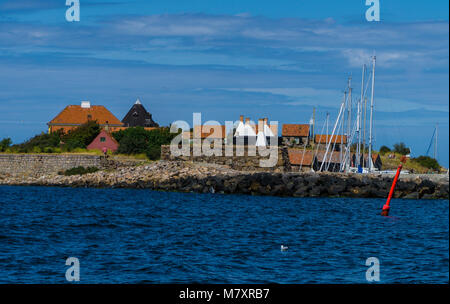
[
  {"x": 266, "y": 120},
  {"x": 260, "y": 125},
  {"x": 241, "y": 118},
  {"x": 85, "y": 104}
]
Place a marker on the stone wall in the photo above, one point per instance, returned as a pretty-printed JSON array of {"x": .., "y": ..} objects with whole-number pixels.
[
  {"x": 41, "y": 164},
  {"x": 206, "y": 178},
  {"x": 236, "y": 162}
]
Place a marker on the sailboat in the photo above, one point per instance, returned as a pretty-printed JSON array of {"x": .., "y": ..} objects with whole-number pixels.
[
  {"x": 361, "y": 164},
  {"x": 354, "y": 135},
  {"x": 434, "y": 139}
]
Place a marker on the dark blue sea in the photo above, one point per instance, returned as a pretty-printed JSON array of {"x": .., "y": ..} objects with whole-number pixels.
[{"x": 142, "y": 236}]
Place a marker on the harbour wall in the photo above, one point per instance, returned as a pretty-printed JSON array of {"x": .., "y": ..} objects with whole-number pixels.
[
  {"x": 44, "y": 164},
  {"x": 245, "y": 162},
  {"x": 207, "y": 178}
]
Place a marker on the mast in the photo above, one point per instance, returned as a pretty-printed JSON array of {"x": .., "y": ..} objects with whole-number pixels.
[
  {"x": 314, "y": 125},
  {"x": 341, "y": 128},
  {"x": 358, "y": 154},
  {"x": 349, "y": 107},
  {"x": 436, "y": 143},
  {"x": 364, "y": 129},
  {"x": 344, "y": 117},
  {"x": 358, "y": 137},
  {"x": 349, "y": 117},
  {"x": 374, "y": 58},
  {"x": 332, "y": 133},
  {"x": 341, "y": 132}
]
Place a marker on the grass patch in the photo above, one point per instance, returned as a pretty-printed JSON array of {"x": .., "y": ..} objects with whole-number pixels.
[{"x": 413, "y": 165}]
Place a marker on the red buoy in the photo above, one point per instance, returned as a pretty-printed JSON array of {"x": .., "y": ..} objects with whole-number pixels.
[{"x": 386, "y": 207}]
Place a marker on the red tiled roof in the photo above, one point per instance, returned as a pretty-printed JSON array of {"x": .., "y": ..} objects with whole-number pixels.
[
  {"x": 326, "y": 138},
  {"x": 295, "y": 130},
  {"x": 76, "y": 115}
]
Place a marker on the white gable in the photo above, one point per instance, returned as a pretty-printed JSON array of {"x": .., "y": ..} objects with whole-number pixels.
[{"x": 261, "y": 140}]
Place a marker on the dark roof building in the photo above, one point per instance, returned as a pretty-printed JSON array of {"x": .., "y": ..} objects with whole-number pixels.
[{"x": 138, "y": 117}]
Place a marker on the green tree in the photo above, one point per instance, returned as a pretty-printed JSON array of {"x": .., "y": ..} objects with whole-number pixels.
[
  {"x": 82, "y": 136},
  {"x": 5, "y": 144},
  {"x": 39, "y": 143},
  {"x": 77, "y": 138},
  {"x": 385, "y": 149},
  {"x": 137, "y": 140},
  {"x": 401, "y": 148},
  {"x": 132, "y": 140}
]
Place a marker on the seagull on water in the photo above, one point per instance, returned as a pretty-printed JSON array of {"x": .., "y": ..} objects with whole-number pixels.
[{"x": 284, "y": 248}]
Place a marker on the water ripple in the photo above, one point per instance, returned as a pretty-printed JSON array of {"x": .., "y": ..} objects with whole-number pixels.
[{"x": 141, "y": 236}]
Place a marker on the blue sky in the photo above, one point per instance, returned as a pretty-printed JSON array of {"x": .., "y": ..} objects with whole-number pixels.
[{"x": 226, "y": 58}]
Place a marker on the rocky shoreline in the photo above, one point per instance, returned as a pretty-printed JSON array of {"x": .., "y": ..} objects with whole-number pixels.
[{"x": 208, "y": 178}]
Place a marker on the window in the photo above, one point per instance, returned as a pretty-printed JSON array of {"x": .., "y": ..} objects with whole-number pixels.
[
  {"x": 89, "y": 116},
  {"x": 102, "y": 139}
]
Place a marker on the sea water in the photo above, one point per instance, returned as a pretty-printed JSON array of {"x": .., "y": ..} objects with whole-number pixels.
[{"x": 143, "y": 236}]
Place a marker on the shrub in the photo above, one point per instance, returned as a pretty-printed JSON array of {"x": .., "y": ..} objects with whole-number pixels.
[
  {"x": 427, "y": 162},
  {"x": 82, "y": 136},
  {"x": 51, "y": 150},
  {"x": 78, "y": 171},
  {"x": 137, "y": 140},
  {"x": 401, "y": 149},
  {"x": 49, "y": 143},
  {"x": 385, "y": 149},
  {"x": 38, "y": 142},
  {"x": 132, "y": 140},
  {"x": 153, "y": 152},
  {"x": 5, "y": 144}
]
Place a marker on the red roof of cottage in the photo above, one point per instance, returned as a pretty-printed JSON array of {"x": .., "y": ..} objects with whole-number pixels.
[
  {"x": 326, "y": 138},
  {"x": 76, "y": 115},
  {"x": 296, "y": 130}
]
